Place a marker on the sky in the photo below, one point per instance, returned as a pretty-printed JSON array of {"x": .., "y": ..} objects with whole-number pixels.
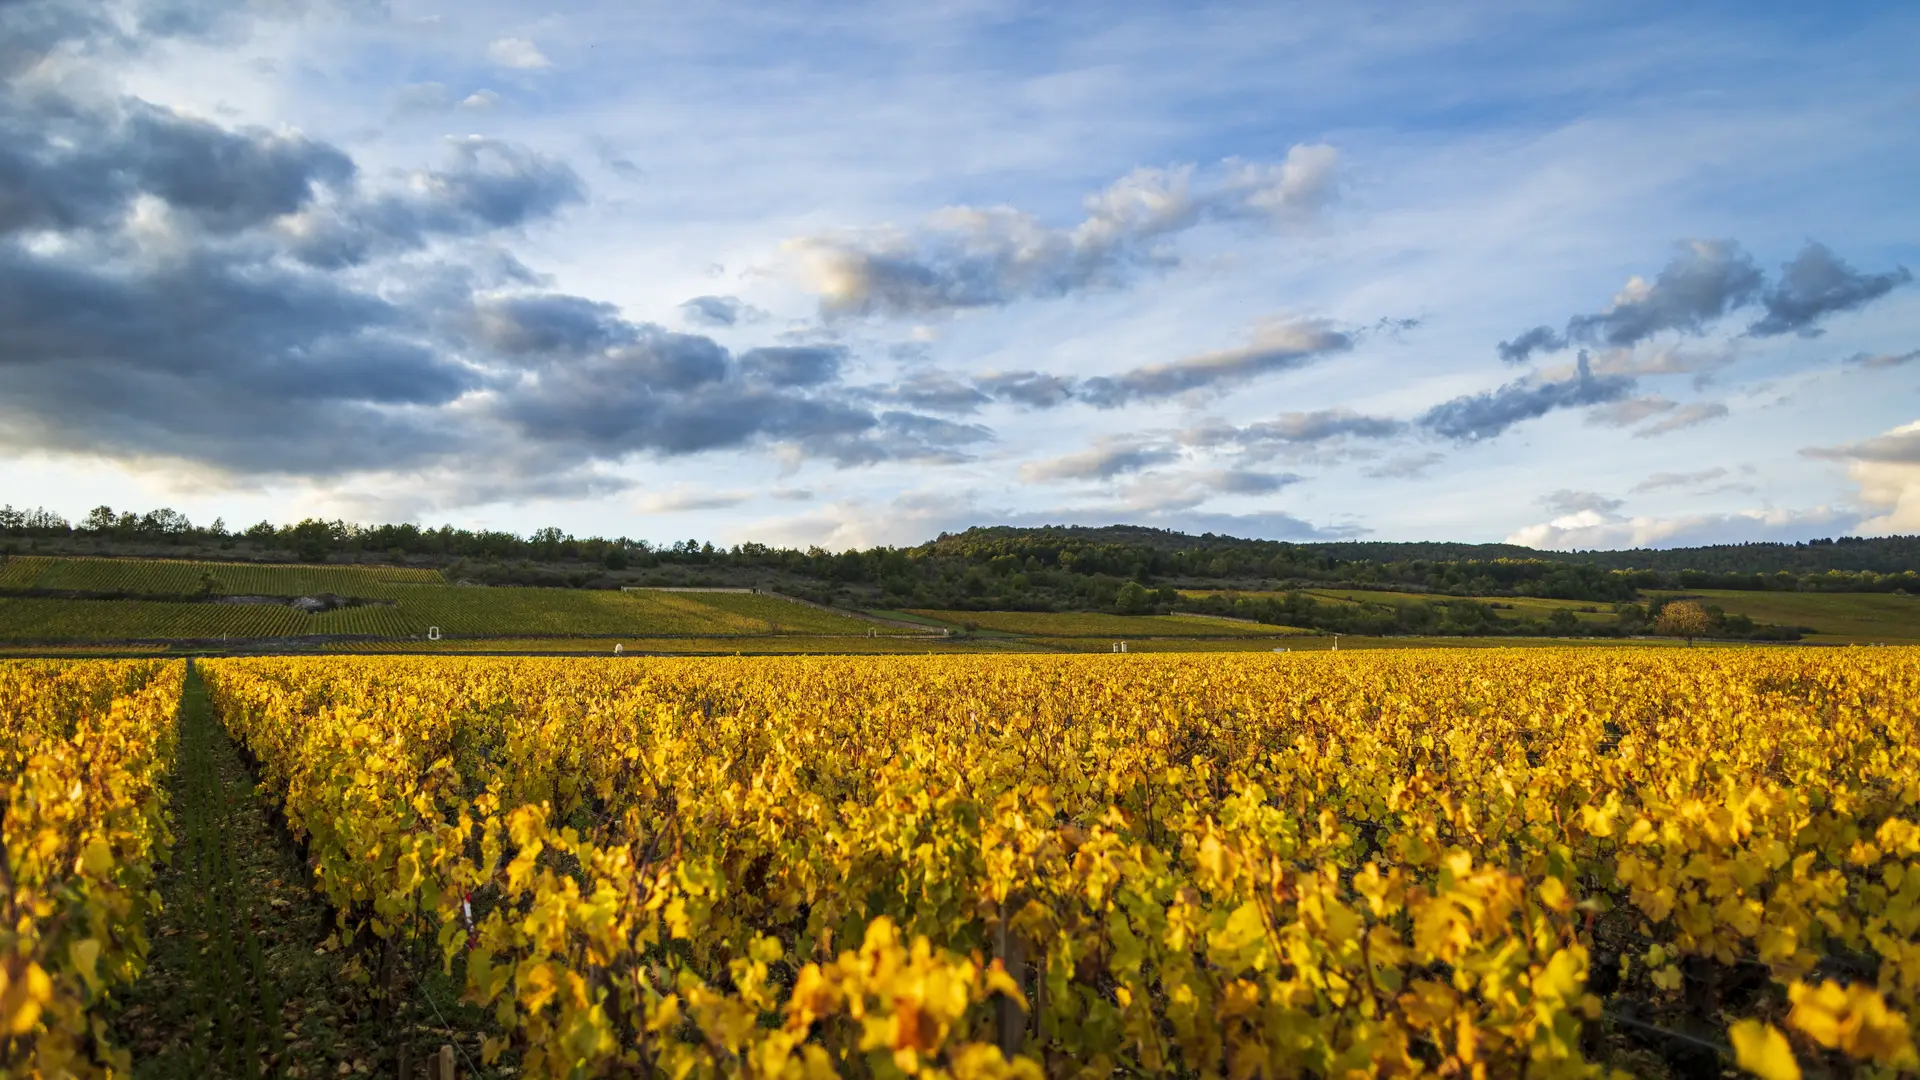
[{"x": 842, "y": 274}]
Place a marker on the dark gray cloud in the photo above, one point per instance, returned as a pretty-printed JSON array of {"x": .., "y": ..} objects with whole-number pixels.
[
  {"x": 934, "y": 391},
  {"x": 1031, "y": 389},
  {"x": 273, "y": 332},
  {"x": 30, "y": 30},
  {"x": 794, "y": 365},
  {"x": 484, "y": 186},
  {"x": 1538, "y": 339},
  {"x": 65, "y": 167},
  {"x": 1280, "y": 347},
  {"x": 719, "y": 311},
  {"x": 232, "y": 324},
  {"x": 895, "y": 436},
  {"x": 1474, "y": 417},
  {"x": 1817, "y": 283},
  {"x": 965, "y": 257},
  {"x": 1703, "y": 281},
  {"x": 550, "y": 325}
]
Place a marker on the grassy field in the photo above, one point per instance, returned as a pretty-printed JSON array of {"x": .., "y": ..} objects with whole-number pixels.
[
  {"x": 1838, "y": 617},
  {"x": 1067, "y": 624}
]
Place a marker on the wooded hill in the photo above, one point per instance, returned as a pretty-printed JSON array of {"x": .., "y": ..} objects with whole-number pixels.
[{"x": 1123, "y": 568}]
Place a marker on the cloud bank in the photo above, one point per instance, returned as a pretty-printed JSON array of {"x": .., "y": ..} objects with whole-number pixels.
[
  {"x": 1705, "y": 281},
  {"x": 970, "y": 257}
]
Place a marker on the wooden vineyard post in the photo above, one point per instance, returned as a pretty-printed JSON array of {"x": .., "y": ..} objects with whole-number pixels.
[
  {"x": 1010, "y": 1019},
  {"x": 440, "y": 1065}
]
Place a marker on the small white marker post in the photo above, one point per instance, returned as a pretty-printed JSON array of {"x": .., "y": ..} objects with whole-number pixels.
[
  {"x": 616, "y": 650},
  {"x": 1336, "y": 643},
  {"x": 433, "y": 633}
]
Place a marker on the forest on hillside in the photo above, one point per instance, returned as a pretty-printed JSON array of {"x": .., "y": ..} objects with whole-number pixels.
[{"x": 1128, "y": 569}]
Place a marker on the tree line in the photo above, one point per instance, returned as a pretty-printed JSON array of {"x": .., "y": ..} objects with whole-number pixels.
[{"x": 1121, "y": 568}]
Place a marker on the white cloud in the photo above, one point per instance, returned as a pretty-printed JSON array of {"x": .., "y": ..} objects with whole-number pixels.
[
  {"x": 1674, "y": 416},
  {"x": 1661, "y": 480},
  {"x": 1686, "y": 417},
  {"x": 1883, "y": 360},
  {"x": 1630, "y": 411},
  {"x": 969, "y": 257},
  {"x": 1596, "y": 529},
  {"x": 1887, "y": 468},
  {"x": 1100, "y": 463},
  {"x": 1570, "y": 502},
  {"x": 681, "y": 500},
  {"x": 517, "y": 53},
  {"x": 1406, "y": 466}
]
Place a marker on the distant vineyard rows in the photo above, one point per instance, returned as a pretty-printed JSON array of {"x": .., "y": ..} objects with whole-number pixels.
[{"x": 409, "y": 602}]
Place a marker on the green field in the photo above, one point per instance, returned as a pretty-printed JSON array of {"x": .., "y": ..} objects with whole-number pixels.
[
  {"x": 1070, "y": 624},
  {"x": 1838, "y": 618}
]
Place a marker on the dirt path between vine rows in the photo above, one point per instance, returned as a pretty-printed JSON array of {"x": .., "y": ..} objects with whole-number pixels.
[{"x": 247, "y": 977}]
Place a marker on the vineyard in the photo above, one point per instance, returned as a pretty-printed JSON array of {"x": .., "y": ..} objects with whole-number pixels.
[
  {"x": 180, "y": 577},
  {"x": 1092, "y": 624},
  {"x": 1547, "y": 862},
  {"x": 155, "y": 601},
  {"x": 83, "y": 750}
]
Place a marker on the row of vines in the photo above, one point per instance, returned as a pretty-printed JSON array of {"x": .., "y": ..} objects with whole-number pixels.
[
  {"x": 1550, "y": 863},
  {"x": 84, "y": 749}
]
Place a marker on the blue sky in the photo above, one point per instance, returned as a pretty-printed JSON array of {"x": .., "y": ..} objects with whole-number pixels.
[{"x": 836, "y": 274}]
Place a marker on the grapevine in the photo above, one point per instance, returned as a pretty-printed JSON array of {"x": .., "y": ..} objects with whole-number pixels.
[{"x": 1249, "y": 865}]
